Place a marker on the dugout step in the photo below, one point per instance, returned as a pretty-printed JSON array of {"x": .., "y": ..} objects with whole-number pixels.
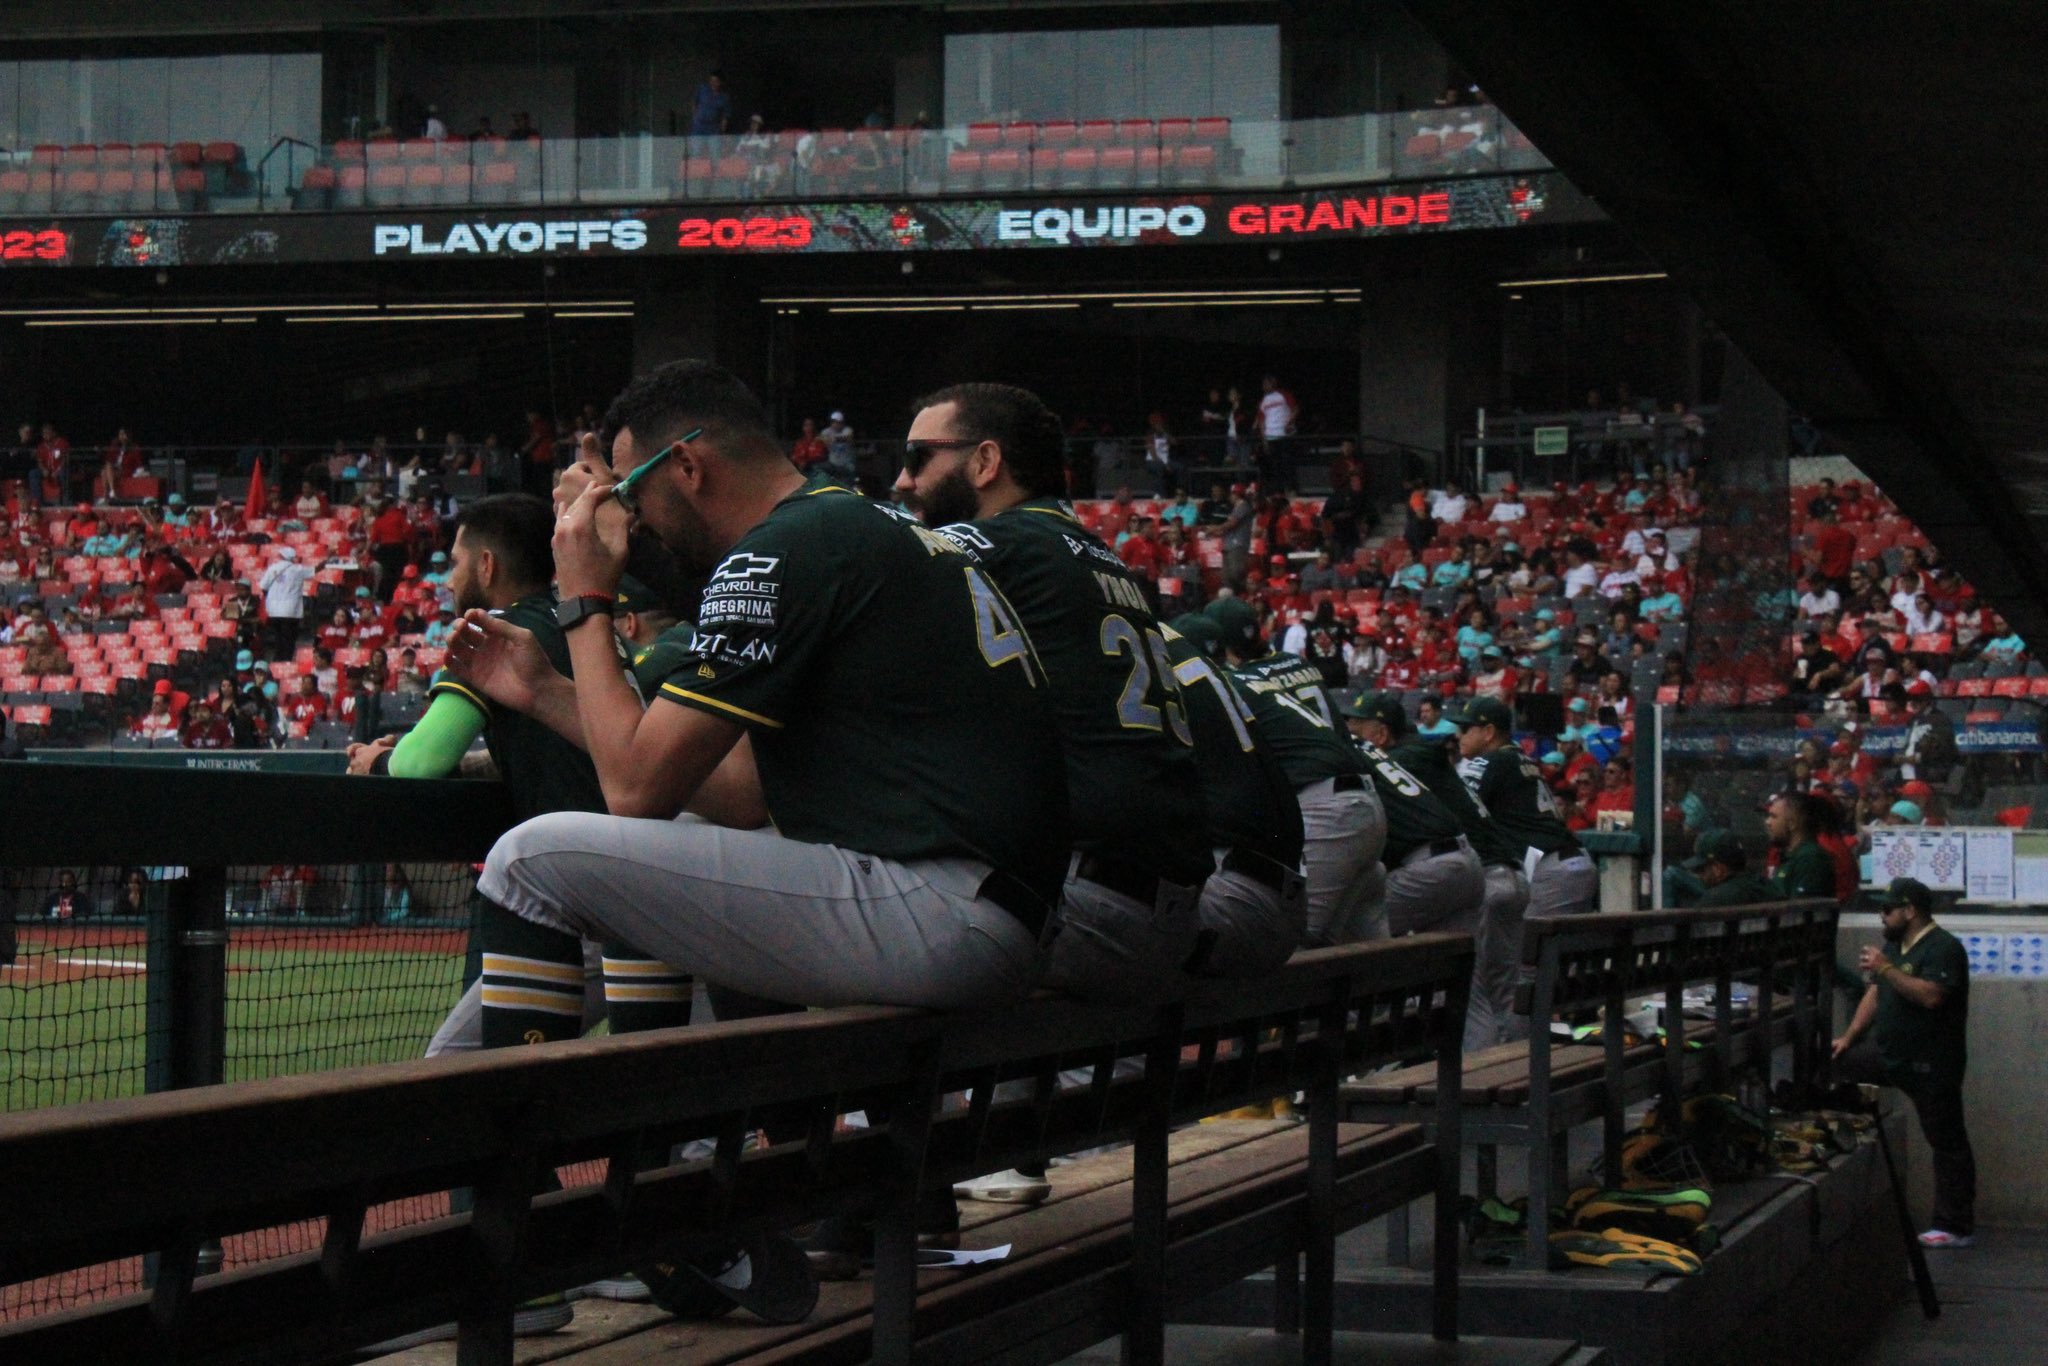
[
  {"x": 1788, "y": 1287},
  {"x": 1196, "y": 1345}
]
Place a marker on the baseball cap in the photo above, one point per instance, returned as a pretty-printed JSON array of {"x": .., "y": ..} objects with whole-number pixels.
[
  {"x": 1510, "y": 548},
  {"x": 362, "y": 592},
  {"x": 1384, "y": 707},
  {"x": 438, "y": 557},
  {"x": 1578, "y": 706},
  {"x": 1545, "y": 614},
  {"x": 1909, "y": 891},
  {"x": 1491, "y": 652},
  {"x": 1718, "y": 846},
  {"x": 1485, "y": 711},
  {"x": 176, "y": 500},
  {"x": 1919, "y": 687},
  {"x": 1553, "y": 759},
  {"x": 1198, "y": 630},
  {"x": 633, "y": 595},
  {"x": 245, "y": 660},
  {"x": 412, "y": 571},
  {"x": 287, "y": 553},
  {"x": 1235, "y": 620},
  {"x": 838, "y": 416},
  {"x": 163, "y": 688},
  {"x": 1908, "y": 812}
]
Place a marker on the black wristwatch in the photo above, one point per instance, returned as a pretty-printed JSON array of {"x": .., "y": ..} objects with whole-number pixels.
[{"x": 570, "y": 611}]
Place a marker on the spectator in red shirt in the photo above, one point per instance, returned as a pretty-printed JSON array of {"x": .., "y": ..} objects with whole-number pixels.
[
  {"x": 53, "y": 460},
  {"x": 390, "y": 544},
  {"x": 337, "y": 633},
  {"x": 204, "y": 730},
  {"x": 1572, "y": 802},
  {"x": 1834, "y": 550},
  {"x": 166, "y": 571},
  {"x": 1139, "y": 552},
  {"x": 540, "y": 453},
  {"x": 1617, "y": 788},
  {"x": 809, "y": 449},
  {"x": 304, "y": 707},
  {"x": 1403, "y": 671}
]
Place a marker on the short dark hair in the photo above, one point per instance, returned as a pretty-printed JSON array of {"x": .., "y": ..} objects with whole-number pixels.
[
  {"x": 666, "y": 402},
  {"x": 1030, "y": 434},
  {"x": 519, "y": 529}
]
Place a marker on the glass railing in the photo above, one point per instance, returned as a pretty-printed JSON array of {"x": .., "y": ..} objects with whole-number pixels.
[{"x": 977, "y": 160}]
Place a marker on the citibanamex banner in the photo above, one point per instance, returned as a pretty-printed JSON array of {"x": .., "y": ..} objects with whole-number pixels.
[{"x": 1046, "y": 224}]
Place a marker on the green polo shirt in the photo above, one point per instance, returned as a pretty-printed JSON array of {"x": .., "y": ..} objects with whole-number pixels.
[
  {"x": 1805, "y": 871},
  {"x": 1923, "y": 1047}
]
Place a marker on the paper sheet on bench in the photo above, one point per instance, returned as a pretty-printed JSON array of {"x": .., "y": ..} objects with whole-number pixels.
[{"x": 934, "y": 1256}]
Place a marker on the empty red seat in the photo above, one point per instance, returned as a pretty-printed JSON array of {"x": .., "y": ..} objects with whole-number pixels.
[
  {"x": 454, "y": 147},
  {"x": 80, "y": 182},
  {"x": 1059, "y": 133},
  {"x": 318, "y": 178},
  {"x": 150, "y": 154},
  {"x": 1198, "y": 159},
  {"x": 1078, "y": 161},
  {"x": 80, "y": 155},
  {"x": 46, "y": 155},
  {"x": 350, "y": 177},
  {"x": 381, "y": 149},
  {"x": 116, "y": 154},
  {"x": 1002, "y": 163},
  {"x": 1135, "y": 131},
  {"x": 1212, "y": 130},
  {"x": 487, "y": 147},
  {"x": 419, "y": 149},
  {"x": 14, "y": 182},
  {"x": 1098, "y": 132},
  {"x": 387, "y": 177},
  {"x": 1176, "y": 130},
  {"x": 187, "y": 180},
  {"x": 113, "y": 183},
  {"x": 733, "y": 169},
  {"x": 960, "y": 163},
  {"x": 348, "y": 150},
  {"x": 1458, "y": 141},
  {"x": 1019, "y": 135},
  {"x": 1116, "y": 161},
  {"x": 1151, "y": 160},
  {"x": 984, "y": 135},
  {"x": 497, "y": 173},
  {"x": 187, "y": 154},
  {"x": 695, "y": 171},
  {"x": 1423, "y": 145},
  {"x": 423, "y": 177}
]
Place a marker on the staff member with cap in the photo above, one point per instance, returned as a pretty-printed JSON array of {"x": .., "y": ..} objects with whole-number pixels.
[
  {"x": 1432, "y": 879},
  {"x": 1562, "y": 878},
  {"x": 1723, "y": 868},
  {"x": 1504, "y": 892},
  {"x": 1918, "y": 1004}
]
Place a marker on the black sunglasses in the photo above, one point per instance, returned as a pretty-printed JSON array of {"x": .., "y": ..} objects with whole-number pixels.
[{"x": 918, "y": 454}]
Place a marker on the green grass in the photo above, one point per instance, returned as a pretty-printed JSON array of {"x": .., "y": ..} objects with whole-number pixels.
[{"x": 287, "y": 1011}]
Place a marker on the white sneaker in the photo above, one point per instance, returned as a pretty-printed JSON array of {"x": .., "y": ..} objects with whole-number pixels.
[
  {"x": 548, "y": 1314},
  {"x": 1005, "y": 1188},
  {"x": 1942, "y": 1238},
  {"x": 614, "y": 1288}
]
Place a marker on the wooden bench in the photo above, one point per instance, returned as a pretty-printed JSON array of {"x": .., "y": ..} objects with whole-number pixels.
[
  {"x": 1535, "y": 1092},
  {"x": 165, "y": 1174}
]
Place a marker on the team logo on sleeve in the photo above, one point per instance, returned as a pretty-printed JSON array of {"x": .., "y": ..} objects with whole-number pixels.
[{"x": 745, "y": 565}]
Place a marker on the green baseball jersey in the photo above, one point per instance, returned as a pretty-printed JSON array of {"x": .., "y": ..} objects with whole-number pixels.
[
  {"x": 1430, "y": 761},
  {"x": 1805, "y": 871},
  {"x": 896, "y": 704},
  {"x": 1415, "y": 816},
  {"x": 1512, "y": 787},
  {"x": 1923, "y": 1047},
  {"x": 543, "y": 771},
  {"x": 1246, "y": 798},
  {"x": 1737, "y": 889},
  {"x": 660, "y": 657},
  {"x": 1132, "y": 790},
  {"x": 1294, "y": 716}
]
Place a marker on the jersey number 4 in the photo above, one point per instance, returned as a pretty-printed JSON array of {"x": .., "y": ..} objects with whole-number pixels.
[
  {"x": 996, "y": 628},
  {"x": 1147, "y": 650}
]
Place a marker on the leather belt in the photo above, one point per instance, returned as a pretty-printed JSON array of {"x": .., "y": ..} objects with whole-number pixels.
[
  {"x": 1010, "y": 893},
  {"x": 1347, "y": 782},
  {"x": 1269, "y": 872},
  {"x": 1125, "y": 879}
]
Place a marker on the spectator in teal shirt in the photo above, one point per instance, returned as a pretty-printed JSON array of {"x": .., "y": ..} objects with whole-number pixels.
[
  {"x": 1547, "y": 637},
  {"x": 1453, "y": 573},
  {"x": 1473, "y": 635},
  {"x": 1662, "y": 604},
  {"x": 1414, "y": 575}
]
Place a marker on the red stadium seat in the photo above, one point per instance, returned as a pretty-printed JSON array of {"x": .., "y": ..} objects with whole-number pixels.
[
  {"x": 221, "y": 153},
  {"x": 348, "y": 150},
  {"x": 381, "y": 149},
  {"x": 1176, "y": 131},
  {"x": 1059, "y": 133},
  {"x": 1098, "y": 132},
  {"x": 349, "y": 184},
  {"x": 46, "y": 155},
  {"x": 1151, "y": 161},
  {"x": 1019, "y": 135},
  {"x": 455, "y": 182},
  {"x": 187, "y": 154},
  {"x": 1423, "y": 147},
  {"x": 188, "y": 183},
  {"x": 983, "y": 136},
  {"x": 2010, "y": 687},
  {"x": 80, "y": 156},
  {"x": 1457, "y": 141},
  {"x": 318, "y": 178},
  {"x": 419, "y": 149},
  {"x": 962, "y": 167},
  {"x": 1136, "y": 132},
  {"x": 387, "y": 184},
  {"x": 1077, "y": 165},
  {"x": 1116, "y": 165},
  {"x": 1194, "y": 162},
  {"x": 1212, "y": 130},
  {"x": 422, "y": 184},
  {"x": 1003, "y": 169},
  {"x": 1973, "y": 687}
]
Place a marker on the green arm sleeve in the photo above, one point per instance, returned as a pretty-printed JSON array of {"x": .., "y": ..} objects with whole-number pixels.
[{"x": 434, "y": 747}]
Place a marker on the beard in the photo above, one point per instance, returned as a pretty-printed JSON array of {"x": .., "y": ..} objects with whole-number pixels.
[
  {"x": 688, "y": 537},
  {"x": 1895, "y": 934},
  {"x": 951, "y": 500}
]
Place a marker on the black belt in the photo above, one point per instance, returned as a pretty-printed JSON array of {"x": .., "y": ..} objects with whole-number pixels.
[
  {"x": 1001, "y": 889},
  {"x": 1125, "y": 879},
  {"x": 1444, "y": 846},
  {"x": 1347, "y": 782},
  {"x": 1268, "y": 872}
]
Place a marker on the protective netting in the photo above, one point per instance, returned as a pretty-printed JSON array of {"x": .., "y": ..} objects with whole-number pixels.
[{"x": 325, "y": 967}]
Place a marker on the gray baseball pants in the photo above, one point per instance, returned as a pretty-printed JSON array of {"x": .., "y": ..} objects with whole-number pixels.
[
  {"x": 1111, "y": 947},
  {"x": 1427, "y": 891},
  {"x": 1558, "y": 886},
  {"x": 1344, "y": 831},
  {"x": 1490, "y": 1016},
  {"x": 808, "y": 924},
  {"x": 1252, "y": 927}
]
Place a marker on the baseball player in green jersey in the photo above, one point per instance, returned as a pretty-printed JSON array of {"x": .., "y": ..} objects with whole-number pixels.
[
  {"x": 1432, "y": 880},
  {"x": 1381, "y": 719},
  {"x": 896, "y": 833},
  {"x": 1804, "y": 868},
  {"x": 1343, "y": 826},
  {"x": 982, "y": 463},
  {"x": 1723, "y": 867},
  {"x": 1255, "y": 905}
]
